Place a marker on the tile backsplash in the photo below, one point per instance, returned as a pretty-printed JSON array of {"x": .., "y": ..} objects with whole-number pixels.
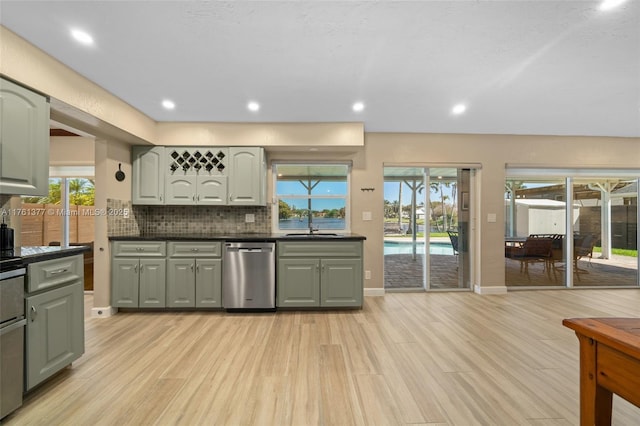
[{"x": 185, "y": 219}]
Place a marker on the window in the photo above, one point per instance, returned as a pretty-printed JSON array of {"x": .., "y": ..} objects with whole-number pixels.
[
  {"x": 311, "y": 195},
  {"x": 47, "y": 225}
]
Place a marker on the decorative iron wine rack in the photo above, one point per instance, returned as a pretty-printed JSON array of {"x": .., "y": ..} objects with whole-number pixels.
[{"x": 196, "y": 161}]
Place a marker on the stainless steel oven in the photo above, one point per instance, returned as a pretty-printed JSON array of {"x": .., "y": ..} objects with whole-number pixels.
[{"x": 12, "y": 324}]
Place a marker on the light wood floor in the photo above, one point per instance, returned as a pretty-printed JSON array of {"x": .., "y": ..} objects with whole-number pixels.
[{"x": 406, "y": 358}]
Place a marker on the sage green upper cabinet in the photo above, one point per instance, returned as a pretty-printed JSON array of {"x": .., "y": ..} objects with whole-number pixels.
[
  {"x": 148, "y": 175},
  {"x": 196, "y": 175},
  {"x": 247, "y": 177},
  {"x": 24, "y": 141},
  {"x": 199, "y": 175}
]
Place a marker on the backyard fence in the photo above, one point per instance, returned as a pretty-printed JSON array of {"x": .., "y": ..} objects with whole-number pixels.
[{"x": 42, "y": 224}]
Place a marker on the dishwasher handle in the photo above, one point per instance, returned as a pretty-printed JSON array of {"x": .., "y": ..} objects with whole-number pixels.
[{"x": 250, "y": 249}]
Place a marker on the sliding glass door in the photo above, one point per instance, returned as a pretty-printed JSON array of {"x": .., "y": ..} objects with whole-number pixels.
[
  {"x": 427, "y": 211},
  {"x": 594, "y": 243}
]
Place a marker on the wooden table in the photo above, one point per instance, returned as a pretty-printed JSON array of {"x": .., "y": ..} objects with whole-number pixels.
[{"x": 609, "y": 363}]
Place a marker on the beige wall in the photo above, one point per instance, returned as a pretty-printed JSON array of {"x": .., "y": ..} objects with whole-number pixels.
[
  {"x": 262, "y": 134},
  {"x": 109, "y": 155},
  {"x": 71, "y": 151}
]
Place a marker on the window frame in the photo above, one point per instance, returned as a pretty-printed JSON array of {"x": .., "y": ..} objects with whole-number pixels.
[{"x": 275, "y": 222}]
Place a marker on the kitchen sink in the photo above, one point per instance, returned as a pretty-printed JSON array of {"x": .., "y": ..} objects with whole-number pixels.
[{"x": 315, "y": 234}]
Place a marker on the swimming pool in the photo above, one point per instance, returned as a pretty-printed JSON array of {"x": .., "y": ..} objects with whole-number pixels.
[{"x": 393, "y": 247}]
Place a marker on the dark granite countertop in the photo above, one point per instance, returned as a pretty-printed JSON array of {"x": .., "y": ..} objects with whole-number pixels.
[
  {"x": 32, "y": 254},
  {"x": 240, "y": 237}
]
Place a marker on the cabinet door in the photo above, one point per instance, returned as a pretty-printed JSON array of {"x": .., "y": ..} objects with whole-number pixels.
[
  {"x": 247, "y": 176},
  {"x": 124, "y": 283},
  {"x": 24, "y": 141},
  {"x": 54, "y": 332},
  {"x": 148, "y": 175},
  {"x": 181, "y": 283},
  {"x": 341, "y": 282},
  {"x": 152, "y": 283},
  {"x": 212, "y": 190},
  {"x": 298, "y": 282},
  {"x": 208, "y": 283},
  {"x": 180, "y": 190}
]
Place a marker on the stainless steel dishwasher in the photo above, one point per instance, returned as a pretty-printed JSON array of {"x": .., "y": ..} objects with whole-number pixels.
[{"x": 249, "y": 276}]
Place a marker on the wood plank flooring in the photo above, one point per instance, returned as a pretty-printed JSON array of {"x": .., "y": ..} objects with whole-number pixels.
[{"x": 405, "y": 358}]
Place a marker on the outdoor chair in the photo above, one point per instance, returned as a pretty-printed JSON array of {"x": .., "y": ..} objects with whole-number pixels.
[
  {"x": 535, "y": 250},
  {"x": 453, "y": 236},
  {"x": 557, "y": 247},
  {"x": 583, "y": 247}
]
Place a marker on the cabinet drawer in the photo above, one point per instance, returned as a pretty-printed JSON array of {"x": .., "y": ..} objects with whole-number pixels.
[
  {"x": 139, "y": 248},
  {"x": 54, "y": 272},
  {"x": 320, "y": 249},
  {"x": 195, "y": 249}
]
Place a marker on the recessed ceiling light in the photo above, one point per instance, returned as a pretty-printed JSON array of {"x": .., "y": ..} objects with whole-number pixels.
[
  {"x": 459, "y": 109},
  {"x": 358, "y": 107},
  {"x": 610, "y": 4},
  {"x": 168, "y": 104},
  {"x": 253, "y": 106},
  {"x": 82, "y": 36}
]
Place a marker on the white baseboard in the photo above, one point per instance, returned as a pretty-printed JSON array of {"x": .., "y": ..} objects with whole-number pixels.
[
  {"x": 105, "y": 312},
  {"x": 498, "y": 289},
  {"x": 374, "y": 291}
]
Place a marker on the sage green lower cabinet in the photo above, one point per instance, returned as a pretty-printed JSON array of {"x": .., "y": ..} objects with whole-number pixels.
[
  {"x": 195, "y": 274},
  {"x": 138, "y": 274},
  {"x": 54, "y": 335},
  {"x": 341, "y": 282},
  {"x": 208, "y": 283},
  {"x": 298, "y": 282},
  {"x": 319, "y": 274},
  {"x": 138, "y": 283}
]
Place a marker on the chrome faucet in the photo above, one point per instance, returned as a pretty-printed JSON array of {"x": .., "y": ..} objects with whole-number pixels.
[{"x": 311, "y": 228}]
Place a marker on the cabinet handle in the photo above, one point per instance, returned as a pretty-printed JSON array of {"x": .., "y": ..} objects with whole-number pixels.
[
  {"x": 34, "y": 313},
  {"x": 135, "y": 268},
  {"x": 194, "y": 197},
  {"x": 161, "y": 198},
  {"x": 197, "y": 269},
  {"x": 141, "y": 268},
  {"x": 192, "y": 267},
  {"x": 198, "y": 197},
  {"x": 230, "y": 197},
  {"x": 195, "y": 249},
  {"x": 58, "y": 272}
]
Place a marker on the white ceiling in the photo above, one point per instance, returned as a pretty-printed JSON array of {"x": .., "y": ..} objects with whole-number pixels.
[{"x": 522, "y": 67}]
